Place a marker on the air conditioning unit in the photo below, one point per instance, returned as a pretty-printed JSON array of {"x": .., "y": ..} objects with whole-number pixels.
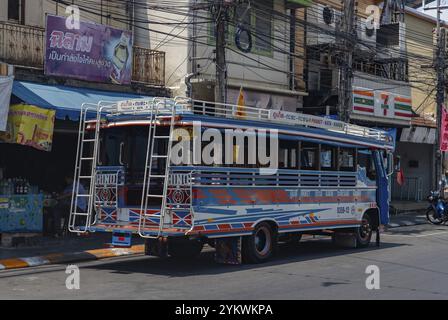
[
  {"x": 391, "y": 38},
  {"x": 366, "y": 35},
  {"x": 321, "y": 26}
]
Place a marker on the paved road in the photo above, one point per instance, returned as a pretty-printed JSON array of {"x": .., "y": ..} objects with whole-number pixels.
[{"x": 413, "y": 264}]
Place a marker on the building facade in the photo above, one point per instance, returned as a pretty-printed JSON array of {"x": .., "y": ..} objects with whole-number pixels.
[
  {"x": 23, "y": 43},
  {"x": 264, "y": 69}
]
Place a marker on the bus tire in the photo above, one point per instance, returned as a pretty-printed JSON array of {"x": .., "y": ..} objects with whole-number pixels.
[
  {"x": 363, "y": 234},
  {"x": 185, "y": 249},
  {"x": 260, "y": 246}
]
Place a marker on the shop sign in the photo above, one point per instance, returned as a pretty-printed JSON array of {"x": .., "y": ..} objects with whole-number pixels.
[
  {"x": 93, "y": 52},
  {"x": 381, "y": 104},
  {"x": 30, "y": 126}
]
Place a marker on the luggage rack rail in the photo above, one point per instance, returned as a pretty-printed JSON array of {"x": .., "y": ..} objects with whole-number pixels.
[{"x": 189, "y": 106}]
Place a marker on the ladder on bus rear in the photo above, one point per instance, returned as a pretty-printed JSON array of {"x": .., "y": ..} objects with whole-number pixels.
[
  {"x": 158, "y": 112},
  {"x": 85, "y": 170}
]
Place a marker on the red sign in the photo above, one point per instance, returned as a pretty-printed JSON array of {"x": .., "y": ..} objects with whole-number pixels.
[{"x": 444, "y": 130}]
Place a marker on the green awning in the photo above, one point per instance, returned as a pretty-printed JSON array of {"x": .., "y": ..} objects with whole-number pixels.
[{"x": 293, "y": 4}]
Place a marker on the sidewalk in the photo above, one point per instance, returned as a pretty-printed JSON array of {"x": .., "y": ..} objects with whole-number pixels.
[
  {"x": 407, "y": 219},
  {"x": 407, "y": 213},
  {"x": 65, "y": 250}
]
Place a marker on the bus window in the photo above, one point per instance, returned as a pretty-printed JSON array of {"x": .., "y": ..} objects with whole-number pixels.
[
  {"x": 347, "y": 159},
  {"x": 287, "y": 158},
  {"x": 309, "y": 156},
  {"x": 365, "y": 161},
  {"x": 328, "y": 158},
  {"x": 114, "y": 147}
]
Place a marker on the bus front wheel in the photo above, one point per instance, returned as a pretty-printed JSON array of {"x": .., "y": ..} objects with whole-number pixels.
[
  {"x": 363, "y": 234},
  {"x": 259, "y": 247}
]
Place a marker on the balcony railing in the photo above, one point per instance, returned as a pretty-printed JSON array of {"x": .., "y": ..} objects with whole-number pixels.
[
  {"x": 22, "y": 45},
  {"x": 25, "y": 46},
  {"x": 148, "y": 66}
]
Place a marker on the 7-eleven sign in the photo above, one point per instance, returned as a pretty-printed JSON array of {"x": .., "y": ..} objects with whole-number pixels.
[{"x": 384, "y": 104}]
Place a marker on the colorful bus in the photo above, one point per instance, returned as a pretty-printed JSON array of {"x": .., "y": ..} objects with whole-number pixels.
[{"x": 183, "y": 173}]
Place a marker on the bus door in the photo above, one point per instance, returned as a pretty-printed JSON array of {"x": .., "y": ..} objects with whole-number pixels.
[{"x": 382, "y": 193}]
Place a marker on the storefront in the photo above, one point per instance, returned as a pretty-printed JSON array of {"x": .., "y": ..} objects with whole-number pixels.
[
  {"x": 32, "y": 172},
  {"x": 416, "y": 147}
]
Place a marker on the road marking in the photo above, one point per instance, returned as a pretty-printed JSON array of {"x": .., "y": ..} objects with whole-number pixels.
[{"x": 415, "y": 236}]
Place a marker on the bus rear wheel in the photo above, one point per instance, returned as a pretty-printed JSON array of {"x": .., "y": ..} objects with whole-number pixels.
[{"x": 259, "y": 247}]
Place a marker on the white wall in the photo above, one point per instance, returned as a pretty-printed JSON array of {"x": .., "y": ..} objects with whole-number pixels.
[
  {"x": 3, "y": 10},
  {"x": 256, "y": 70},
  {"x": 253, "y": 69},
  {"x": 176, "y": 49},
  {"x": 141, "y": 32}
]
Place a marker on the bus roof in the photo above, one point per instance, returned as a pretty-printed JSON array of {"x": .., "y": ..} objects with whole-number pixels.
[{"x": 226, "y": 115}]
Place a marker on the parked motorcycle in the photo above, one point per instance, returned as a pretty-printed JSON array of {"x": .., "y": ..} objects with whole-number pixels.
[{"x": 437, "y": 213}]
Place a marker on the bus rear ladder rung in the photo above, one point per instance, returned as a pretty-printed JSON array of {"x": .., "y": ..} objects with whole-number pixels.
[{"x": 154, "y": 195}]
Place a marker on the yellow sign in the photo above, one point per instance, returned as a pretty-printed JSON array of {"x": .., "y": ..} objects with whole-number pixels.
[{"x": 30, "y": 126}]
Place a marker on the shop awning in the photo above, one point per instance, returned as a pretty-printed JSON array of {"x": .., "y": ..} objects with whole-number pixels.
[{"x": 67, "y": 101}]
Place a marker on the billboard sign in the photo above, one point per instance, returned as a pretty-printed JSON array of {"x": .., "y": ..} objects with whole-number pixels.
[{"x": 93, "y": 52}]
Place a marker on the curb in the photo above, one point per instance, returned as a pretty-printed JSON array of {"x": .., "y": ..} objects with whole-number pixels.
[
  {"x": 407, "y": 223},
  {"x": 58, "y": 258}
]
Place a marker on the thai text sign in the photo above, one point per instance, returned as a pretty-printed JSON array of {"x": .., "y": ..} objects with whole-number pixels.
[
  {"x": 444, "y": 130},
  {"x": 30, "y": 126},
  {"x": 305, "y": 120},
  {"x": 93, "y": 52}
]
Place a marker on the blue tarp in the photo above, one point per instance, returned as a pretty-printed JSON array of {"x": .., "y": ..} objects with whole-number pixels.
[{"x": 67, "y": 101}]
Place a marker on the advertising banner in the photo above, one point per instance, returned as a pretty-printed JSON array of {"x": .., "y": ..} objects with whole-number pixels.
[
  {"x": 5, "y": 97},
  {"x": 94, "y": 52},
  {"x": 444, "y": 130},
  {"x": 30, "y": 126}
]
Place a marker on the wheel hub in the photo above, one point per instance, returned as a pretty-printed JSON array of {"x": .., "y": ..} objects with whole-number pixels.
[{"x": 262, "y": 241}]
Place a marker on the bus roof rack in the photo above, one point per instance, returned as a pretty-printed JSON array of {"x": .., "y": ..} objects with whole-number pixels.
[{"x": 186, "y": 105}]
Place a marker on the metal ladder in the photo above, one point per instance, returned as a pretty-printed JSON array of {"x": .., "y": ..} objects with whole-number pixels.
[
  {"x": 83, "y": 160},
  {"x": 147, "y": 193}
]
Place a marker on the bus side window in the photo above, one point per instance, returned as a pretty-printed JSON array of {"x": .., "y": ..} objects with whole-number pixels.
[
  {"x": 309, "y": 156},
  {"x": 288, "y": 154},
  {"x": 347, "y": 159},
  {"x": 365, "y": 161},
  {"x": 328, "y": 158}
]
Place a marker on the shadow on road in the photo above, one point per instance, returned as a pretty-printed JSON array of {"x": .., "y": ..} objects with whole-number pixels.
[{"x": 205, "y": 264}]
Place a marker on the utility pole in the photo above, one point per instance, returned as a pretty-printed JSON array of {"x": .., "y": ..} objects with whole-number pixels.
[
  {"x": 220, "y": 51},
  {"x": 347, "y": 27},
  {"x": 440, "y": 67}
]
